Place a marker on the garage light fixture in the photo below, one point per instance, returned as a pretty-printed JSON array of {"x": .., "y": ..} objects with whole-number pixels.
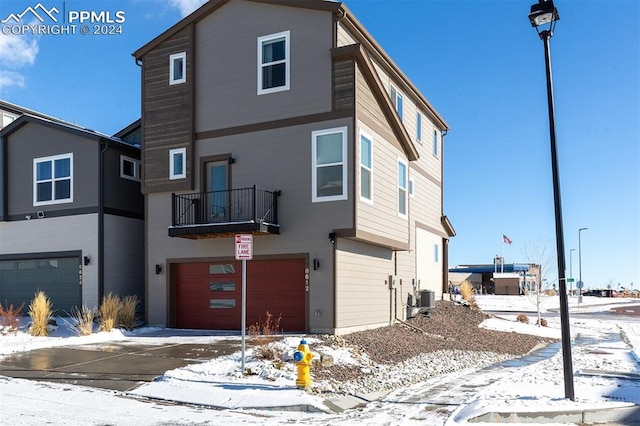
[
  {"x": 86, "y": 260},
  {"x": 332, "y": 237},
  {"x": 158, "y": 269}
]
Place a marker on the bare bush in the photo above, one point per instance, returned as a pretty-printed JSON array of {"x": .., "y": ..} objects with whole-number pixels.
[
  {"x": 40, "y": 313},
  {"x": 523, "y": 319},
  {"x": 542, "y": 322},
  {"x": 9, "y": 319},
  {"x": 128, "y": 307},
  {"x": 108, "y": 312}
]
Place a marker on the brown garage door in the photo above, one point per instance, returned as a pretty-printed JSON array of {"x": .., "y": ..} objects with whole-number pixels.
[{"x": 209, "y": 295}]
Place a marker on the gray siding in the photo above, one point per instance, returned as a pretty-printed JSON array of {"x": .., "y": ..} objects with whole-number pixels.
[
  {"x": 226, "y": 68},
  {"x": 124, "y": 256},
  {"x": 120, "y": 193},
  {"x": 36, "y": 141},
  {"x": 344, "y": 84},
  {"x": 167, "y": 113}
]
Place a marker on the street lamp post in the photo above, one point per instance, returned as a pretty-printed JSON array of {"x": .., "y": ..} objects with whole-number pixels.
[
  {"x": 580, "y": 261},
  {"x": 543, "y": 18},
  {"x": 571, "y": 270}
]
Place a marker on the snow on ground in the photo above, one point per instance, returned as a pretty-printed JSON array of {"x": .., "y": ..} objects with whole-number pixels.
[{"x": 538, "y": 387}]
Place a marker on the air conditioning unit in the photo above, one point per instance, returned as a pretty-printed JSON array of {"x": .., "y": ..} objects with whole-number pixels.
[{"x": 427, "y": 299}]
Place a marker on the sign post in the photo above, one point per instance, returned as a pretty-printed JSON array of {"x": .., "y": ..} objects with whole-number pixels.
[{"x": 244, "y": 252}]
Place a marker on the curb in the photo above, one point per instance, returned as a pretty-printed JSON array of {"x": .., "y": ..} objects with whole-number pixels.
[{"x": 621, "y": 415}]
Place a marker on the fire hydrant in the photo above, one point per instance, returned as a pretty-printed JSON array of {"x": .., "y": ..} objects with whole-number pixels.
[{"x": 303, "y": 357}]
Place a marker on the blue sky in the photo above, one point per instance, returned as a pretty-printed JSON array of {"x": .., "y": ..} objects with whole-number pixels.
[{"x": 481, "y": 64}]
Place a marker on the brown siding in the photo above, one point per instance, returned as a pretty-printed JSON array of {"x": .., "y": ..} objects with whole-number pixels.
[
  {"x": 167, "y": 116},
  {"x": 343, "y": 84}
]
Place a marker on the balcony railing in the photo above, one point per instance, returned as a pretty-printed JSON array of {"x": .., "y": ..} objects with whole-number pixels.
[{"x": 223, "y": 211}]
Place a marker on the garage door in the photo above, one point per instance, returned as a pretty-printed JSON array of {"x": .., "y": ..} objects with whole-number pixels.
[
  {"x": 209, "y": 295},
  {"x": 57, "y": 277}
]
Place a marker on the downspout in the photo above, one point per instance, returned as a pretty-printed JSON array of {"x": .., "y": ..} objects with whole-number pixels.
[
  {"x": 445, "y": 241},
  {"x": 101, "y": 188}
]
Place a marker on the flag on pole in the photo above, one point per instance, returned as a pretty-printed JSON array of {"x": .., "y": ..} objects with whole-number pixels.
[{"x": 506, "y": 239}]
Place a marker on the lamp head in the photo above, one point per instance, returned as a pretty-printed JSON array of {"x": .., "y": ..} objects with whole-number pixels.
[{"x": 543, "y": 17}]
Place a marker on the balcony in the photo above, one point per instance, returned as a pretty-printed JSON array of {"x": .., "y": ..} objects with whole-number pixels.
[{"x": 224, "y": 213}]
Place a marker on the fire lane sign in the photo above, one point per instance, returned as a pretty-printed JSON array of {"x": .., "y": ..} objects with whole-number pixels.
[{"x": 244, "y": 246}]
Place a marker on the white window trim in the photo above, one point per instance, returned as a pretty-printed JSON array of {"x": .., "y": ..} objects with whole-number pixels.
[
  {"x": 366, "y": 200},
  {"x": 35, "y": 180},
  {"x": 394, "y": 100},
  {"x": 172, "y": 153},
  {"x": 136, "y": 168},
  {"x": 314, "y": 176},
  {"x": 419, "y": 126},
  {"x": 287, "y": 62},
  {"x": 172, "y": 58},
  {"x": 436, "y": 150},
  {"x": 406, "y": 189}
]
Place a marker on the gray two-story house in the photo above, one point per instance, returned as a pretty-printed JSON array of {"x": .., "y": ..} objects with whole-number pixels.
[
  {"x": 286, "y": 120},
  {"x": 71, "y": 211}
]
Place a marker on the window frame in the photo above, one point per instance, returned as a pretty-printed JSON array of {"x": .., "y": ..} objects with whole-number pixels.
[
  {"x": 397, "y": 98},
  {"x": 435, "y": 144},
  {"x": 419, "y": 126},
  {"x": 402, "y": 189},
  {"x": 287, "y": 61},
  {"x": 136, "y": 168},
  {"x": 52, "y": 159},
  {"x": 315, "y": 198},
  {"x": 173, "y": 152},
  {"x": 172, "y": 59},
  {"x": 436, "y": 253},
  {"x": 368, "y": 168},
  {"x": 412, "y": 185}
]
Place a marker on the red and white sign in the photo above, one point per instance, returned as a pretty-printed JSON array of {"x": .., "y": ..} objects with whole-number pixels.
[{"x": 244, "y": 246}]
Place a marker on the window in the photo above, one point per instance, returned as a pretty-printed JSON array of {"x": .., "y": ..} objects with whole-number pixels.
[
  {"x": 419, "y": 126},
  {"x": 402, "y": 188},
  {"x": 53, "y": 180},
  {"x": 366, "y": 167},
  {"x": 396, "y": 99},
  {"x": 436, "y": 253},
  {"x": 178, "y": 163},
  {"x": 329, "y": 158},
  {"x": 178, "y": 68},
  {"x": 273, "y": 63},
  {"x": 129, "y": 168},
  {"x": 435, "y": 143},
  {"x": 411, "y": 187}
]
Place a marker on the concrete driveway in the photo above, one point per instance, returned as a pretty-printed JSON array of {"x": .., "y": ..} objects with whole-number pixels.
[{"x": 121, "y": 365}]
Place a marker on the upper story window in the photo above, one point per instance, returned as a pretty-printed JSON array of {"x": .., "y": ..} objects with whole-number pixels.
[
  {"x": 366, "y": 168},
  {"x": 435, "y": 143},
  {"x": 402, "y": 188},
  {"x": 419, "y": 126},
  {"x": 129, "y": 168},
  {"x": 178, "y": 163},
  {"x": 273, "y": 62},
  {"x": 178, "y": 68},
  {"x": 397, "y": 99},
  {"x": 329, "y": 168},
  {"x": 436, "y": 253},
  {"x": 411, "y": 186},
  {"x": 53, "y": 180}
]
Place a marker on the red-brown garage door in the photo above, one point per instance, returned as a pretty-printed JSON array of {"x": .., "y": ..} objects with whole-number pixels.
[{"x": 209, "y": 295}]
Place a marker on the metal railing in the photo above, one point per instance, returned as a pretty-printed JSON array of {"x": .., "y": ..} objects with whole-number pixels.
[{"x": 230, "y": 206}]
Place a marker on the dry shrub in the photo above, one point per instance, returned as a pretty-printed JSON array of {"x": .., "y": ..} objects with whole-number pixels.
[
  {"x": 264, "y": 333},
  {"x": 542, "y": 322},
  {"x": 269, "y": 351},
  {"x": 82, "y": 320},
  {"x": 108, "y": 312},
  {"x": 40, "y": 313},
  {"x": 9, "y": 318},
  {"x": 128, "y": 311},
  {"x": 523, "y": 319}
]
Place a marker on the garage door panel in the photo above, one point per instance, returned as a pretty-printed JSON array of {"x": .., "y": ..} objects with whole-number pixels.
[{"x": 214, "y": 300}]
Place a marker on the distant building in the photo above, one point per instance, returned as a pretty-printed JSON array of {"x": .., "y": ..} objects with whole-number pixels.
[{"x": 497, "y": 278}]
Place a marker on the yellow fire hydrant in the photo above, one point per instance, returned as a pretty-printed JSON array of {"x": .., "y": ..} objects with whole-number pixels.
[{"x": 303, "y": 357}]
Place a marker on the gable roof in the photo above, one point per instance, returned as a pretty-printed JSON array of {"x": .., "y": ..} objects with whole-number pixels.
[
  {"x": 25, "y": 119},
  {"x": 343, "y": 14}
]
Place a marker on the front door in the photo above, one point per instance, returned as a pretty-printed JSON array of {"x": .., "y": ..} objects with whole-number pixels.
[{"x": 217, "y": 187}]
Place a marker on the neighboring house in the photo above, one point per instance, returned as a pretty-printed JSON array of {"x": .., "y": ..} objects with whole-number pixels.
[
  {"x": 286, "y": 120},
  {"x": 71, "y": 212}
]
